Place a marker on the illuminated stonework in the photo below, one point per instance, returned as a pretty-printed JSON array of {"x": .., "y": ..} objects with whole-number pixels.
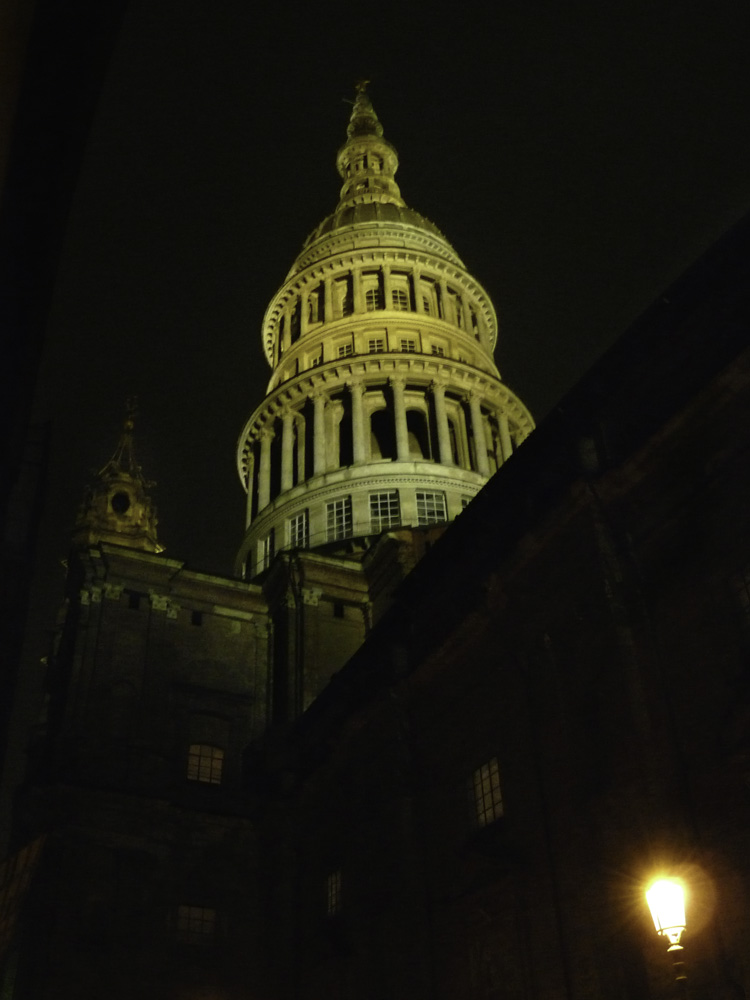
[
  {"x": 117, "y": 507},
  {"x": 385, "y": 406}
]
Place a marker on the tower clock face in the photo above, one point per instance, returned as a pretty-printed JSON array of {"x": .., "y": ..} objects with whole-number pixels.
[{"x": 120, "y": 502}]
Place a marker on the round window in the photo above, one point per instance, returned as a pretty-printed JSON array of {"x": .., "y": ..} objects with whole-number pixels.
[{"x": 120, "y": 502}]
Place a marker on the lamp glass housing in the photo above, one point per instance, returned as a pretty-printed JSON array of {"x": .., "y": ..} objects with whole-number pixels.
[{"x": 666, "y": 900}]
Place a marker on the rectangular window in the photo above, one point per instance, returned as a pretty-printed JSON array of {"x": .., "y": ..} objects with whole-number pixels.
[
  {"x": 431, "y": 508},
  {"x": 400, "y": 300},
  {"x": 339, "y": 519},
  {"x": 376, "y": 345},
  {"x": 385, "y": 511},
  {"x": 205, "y": 763},
  {"x": 439, "y": 352},
  {"x": 299, "y": 530},
  {"x": 372, "y": 299},
  {"x": 266, "y": 551},
  {"x": 484, "y": 794},
  {"x": 317, "y": 360},
  {"x": 345, "y": 350},
  {"x": 195, "y": 924},
  {"x": 333, "y": 893},
  {"x": 408, "y": 345}
]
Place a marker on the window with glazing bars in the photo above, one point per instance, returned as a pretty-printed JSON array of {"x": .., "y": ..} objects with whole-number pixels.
[
  {"x": 408, "y": 345},
  {"x": 372, "y": 299},
  {"x": 205, "y": 763},
  {"x": 485, "y": 795},
  {"x": 385, "y": 510},
  {"x": 339, "y": 519},
  {"x": 438, "y": 351},
  {"x": 376, "y": 345},
  {"x": 333, "y": 893},
  {"x": 400, "y": 300},
  {"x": 431, "y": 508},
  {"x": 195, "y": 924},
  {"x": 345, "y": 350},
  {"x": 299, "y": 530}
]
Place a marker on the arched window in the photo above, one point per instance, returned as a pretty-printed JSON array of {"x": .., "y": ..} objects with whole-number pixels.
[
  {"x": 419, "y": 438},
  {"x": 382, "y": 435}
]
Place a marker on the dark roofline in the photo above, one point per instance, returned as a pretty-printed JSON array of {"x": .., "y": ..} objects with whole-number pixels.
[{"x": 674, "y": 350}]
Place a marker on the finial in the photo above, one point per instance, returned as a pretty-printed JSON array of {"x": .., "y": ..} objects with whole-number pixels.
[
  {"x": 363, "y": 121},
  {"x": 131, "y": 412}
]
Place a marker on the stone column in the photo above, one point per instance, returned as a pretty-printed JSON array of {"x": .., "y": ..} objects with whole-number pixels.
[
  {"x": 287, "y": 450},
  {"x": 319, "y": 433},
  {"x": 304, "y": 307},
  {"x": 287, "y": 335},
  {"x": 387, "y": 290},
  {"x": 443, "y": 285},
  {"x": 441, "y": 419},
  {"x": 250, "y": 489},
  {"x": 466, "y": 306},
  {"x": 477, "y": 428},
  {"x": 328, "y": 300},
  {"x": 399, "y": 417},
  {"x": 264, "y": 474},
  {"x": 359, "y": 302},
  {"x": 416, "y": 284},
  {"x": 505, "y": 442},
  {"x": 359, "y": 446}
]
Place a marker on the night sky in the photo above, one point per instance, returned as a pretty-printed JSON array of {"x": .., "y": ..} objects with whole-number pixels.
[{"x": 578, "y": 156}]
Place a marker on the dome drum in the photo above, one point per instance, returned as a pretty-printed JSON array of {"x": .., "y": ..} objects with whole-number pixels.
[
  {"x": 385, "y": 407},
  {"x": 379, "y": 283}
]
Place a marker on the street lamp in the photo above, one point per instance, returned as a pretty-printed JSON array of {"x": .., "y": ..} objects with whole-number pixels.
[{"x": 666, "y": 900}]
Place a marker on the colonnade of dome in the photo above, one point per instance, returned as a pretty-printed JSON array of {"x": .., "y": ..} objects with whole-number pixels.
[{"x": 384, "y": 407}]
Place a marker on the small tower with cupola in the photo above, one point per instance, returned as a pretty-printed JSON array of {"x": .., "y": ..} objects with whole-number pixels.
[
  {"x": 117, "y": 507},
  {"x": 385, "y": 407}
]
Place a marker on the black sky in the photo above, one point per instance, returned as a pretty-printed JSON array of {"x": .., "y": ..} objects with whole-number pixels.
[{"x": 579, "y": 156}]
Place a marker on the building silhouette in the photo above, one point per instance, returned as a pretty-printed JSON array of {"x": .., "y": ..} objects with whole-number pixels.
[{"x": 411, "y": 749}]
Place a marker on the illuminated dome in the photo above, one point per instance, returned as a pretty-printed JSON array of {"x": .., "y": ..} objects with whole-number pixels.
[{"x": 384, "y": 406}]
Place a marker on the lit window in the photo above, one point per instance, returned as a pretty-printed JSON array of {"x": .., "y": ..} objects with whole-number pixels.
[
  {"x": 400, "y": 300},
  {"x": 430, "y": 508},
  {"x": 384, "y": 511},
  {"x": 339, "y": 519},
  {"x": 376, "y": 345},
  {"x": 408, "y": 345},
  {"x": 205, "y": 763},
  {"x": 333, "y": 894},
  {"x": 195, "y": 924},
  {"x": 438, "y": 351},
  {"x": 484, "y": 794},
  {"x": 372, "y": 299},
  {"x": 345, "y": 350},
  {"x": 299, "y": 530}
]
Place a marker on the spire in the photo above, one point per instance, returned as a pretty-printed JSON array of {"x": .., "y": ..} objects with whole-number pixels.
[
  {"x": 117, "y": 507},
  {"x": 367, "y": 162},
  {"x": 363, "y": 119}
]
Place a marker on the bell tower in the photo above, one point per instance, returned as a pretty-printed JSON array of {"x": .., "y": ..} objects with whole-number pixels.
[
  {"x": 117, "y": 507},
  {"x": 384, "y": 407}
]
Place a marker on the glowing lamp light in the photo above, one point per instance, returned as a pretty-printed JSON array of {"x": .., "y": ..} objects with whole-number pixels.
[{"x": 666, "y": 900}]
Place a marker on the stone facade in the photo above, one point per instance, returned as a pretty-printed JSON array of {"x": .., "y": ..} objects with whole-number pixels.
[{"x": 411, "y": 761}]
